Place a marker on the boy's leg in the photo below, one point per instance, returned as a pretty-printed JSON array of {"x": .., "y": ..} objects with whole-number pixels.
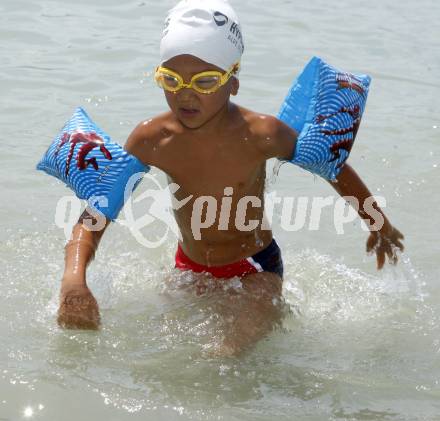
[{"x": 253, "y": 313}]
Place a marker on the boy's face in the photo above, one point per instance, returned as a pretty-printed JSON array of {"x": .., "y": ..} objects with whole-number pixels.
[{"x": 194, "y": 109}]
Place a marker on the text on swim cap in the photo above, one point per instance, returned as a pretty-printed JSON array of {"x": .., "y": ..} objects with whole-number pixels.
[{"x": 235, "y": 30}]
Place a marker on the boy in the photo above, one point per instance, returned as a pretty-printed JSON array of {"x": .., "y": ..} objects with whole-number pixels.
[{"x": 210, "y": 146}]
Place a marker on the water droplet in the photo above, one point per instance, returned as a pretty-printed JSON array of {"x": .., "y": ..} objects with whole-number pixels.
[
  {"x": 28, "y": 412},
  {"x": 223, "y": 369}
]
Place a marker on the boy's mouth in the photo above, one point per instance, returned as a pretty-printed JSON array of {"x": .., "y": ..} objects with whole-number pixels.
[{"x": 188, "y": 111}]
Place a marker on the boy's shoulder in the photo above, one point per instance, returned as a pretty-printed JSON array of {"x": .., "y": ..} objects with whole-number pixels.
[
  {"x": 145, "y": 137},
  {"x": 272, "y": 136},
  {"x": 154, "y": 128},
  {"x": 259, "y": 124}
]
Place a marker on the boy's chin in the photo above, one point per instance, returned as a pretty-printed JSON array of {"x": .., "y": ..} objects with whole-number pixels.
[{"x": 193, "y": 122}]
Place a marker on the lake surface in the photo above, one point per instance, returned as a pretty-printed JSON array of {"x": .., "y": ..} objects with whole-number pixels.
[{"x": 356, "y": 344}]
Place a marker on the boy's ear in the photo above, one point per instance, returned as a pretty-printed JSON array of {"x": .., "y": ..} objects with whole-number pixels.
[{"x": 235, "y": 85}]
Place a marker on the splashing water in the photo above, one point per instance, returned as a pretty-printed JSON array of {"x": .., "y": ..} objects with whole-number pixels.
[{"x": 152, "y": 350}]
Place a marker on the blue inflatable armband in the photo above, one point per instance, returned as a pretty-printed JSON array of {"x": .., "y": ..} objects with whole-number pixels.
[
  {"x": 91, "y": 164},
  {"x": 325, "y": 107}
]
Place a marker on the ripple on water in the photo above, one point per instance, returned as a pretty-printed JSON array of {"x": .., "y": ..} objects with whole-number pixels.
[{"x": 344, "y": 329}]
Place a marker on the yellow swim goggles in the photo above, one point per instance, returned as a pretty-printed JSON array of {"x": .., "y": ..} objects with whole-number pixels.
[{"x": 205, "y": 82}]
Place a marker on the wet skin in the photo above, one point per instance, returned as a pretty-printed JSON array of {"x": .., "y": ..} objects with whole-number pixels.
[
  {"x": 206, "y": 143},
  {"x": 218, "y": 145}
]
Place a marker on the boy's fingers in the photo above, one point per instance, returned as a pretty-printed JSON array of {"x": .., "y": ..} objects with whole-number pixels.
[
  {"x": 400, "y": 245},
  {"x": 380, "y": 259},
  {"x": 392, "y": 256},
  {"x": 395, "y": 257},
  {"x": 78, "y": 312},
  {"x": 76, "y": 321},
  {"x": 389, "y": 253},
  {"x": 371, "y": 243},
  {"x": 400, "y": 235}
]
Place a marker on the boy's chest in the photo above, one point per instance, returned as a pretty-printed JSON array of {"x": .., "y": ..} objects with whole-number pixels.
[
  {"x": 207, "y": 169},
  {"x": 219, "y": 163}
]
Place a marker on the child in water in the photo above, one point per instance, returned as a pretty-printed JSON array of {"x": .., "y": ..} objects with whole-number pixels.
[{"x": 210, "y": 146}]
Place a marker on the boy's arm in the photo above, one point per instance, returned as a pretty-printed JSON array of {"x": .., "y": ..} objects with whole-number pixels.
[
  {"x": 78, "y": 308},
  {"x": 384, "y": 239}
]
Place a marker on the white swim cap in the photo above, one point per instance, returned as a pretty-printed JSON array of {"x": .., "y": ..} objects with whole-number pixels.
[{"x": 207, "y": 29}]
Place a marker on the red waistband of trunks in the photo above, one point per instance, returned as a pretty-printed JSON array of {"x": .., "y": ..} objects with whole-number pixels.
[{"x": 267, "y": 260}]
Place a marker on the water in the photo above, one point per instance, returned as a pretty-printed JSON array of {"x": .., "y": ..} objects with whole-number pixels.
[{"x": 356, "y": 344}]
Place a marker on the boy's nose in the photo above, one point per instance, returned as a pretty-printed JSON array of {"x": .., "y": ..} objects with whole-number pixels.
[{"x": 186, "y": 93}]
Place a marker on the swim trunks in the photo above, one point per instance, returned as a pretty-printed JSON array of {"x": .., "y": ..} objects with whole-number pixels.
[{"x": 266, "y": 260}]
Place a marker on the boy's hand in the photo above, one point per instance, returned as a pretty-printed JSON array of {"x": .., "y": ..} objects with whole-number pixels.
[
  {"x": 78, "y": 308},
  {"x": 385, "y": 242}
]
